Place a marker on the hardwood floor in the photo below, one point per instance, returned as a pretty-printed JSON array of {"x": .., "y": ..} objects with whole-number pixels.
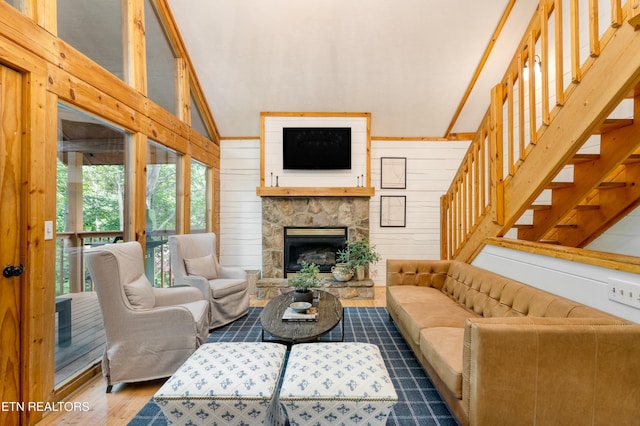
[{"x": 119, "y": 407}]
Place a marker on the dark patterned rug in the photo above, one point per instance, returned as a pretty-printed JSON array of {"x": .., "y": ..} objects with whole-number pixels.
[{"x": 419, "y": 403}]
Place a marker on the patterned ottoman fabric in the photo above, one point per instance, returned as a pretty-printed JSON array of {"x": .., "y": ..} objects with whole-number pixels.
[
  {"x": 337, "y": 383},
  {"x": 226, "y": 383}
]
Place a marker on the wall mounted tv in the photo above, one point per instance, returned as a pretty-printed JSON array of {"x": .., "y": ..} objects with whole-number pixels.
[{"x": 316, "y": 148}]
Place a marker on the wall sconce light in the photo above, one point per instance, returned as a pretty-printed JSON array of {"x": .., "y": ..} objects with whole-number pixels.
[{"x": 537, "y": 67}]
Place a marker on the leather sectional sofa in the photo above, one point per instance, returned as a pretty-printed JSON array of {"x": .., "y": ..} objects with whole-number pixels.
[{"x": 501, "y": 352}]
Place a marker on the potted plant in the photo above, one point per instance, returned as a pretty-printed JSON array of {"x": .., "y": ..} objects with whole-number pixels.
[
  {"x": 358, "y": 255},
  {"x": 342, "y": 270},
  {"x": 305, "y": 280}
]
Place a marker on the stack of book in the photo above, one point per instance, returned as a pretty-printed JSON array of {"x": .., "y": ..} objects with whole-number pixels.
[{"x": 291, "y": 315}]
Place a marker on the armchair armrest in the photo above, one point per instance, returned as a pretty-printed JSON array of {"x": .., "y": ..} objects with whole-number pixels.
[
  {"x": 232, "y": 272},
  {"x": 201, "y": 283},
  {"x": 177, "y": 295},
  {"x": 551, "y": 370}
]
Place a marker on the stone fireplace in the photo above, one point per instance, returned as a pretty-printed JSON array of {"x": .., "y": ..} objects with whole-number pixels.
[{"x": 350, "y": 213}]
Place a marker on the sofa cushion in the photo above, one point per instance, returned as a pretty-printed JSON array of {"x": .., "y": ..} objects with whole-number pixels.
[
  {"x": 442, "y": 347},
  {"x": 442, "y": 313},
  {"x": 222, "y": 287},
  {"x": 204, "y": 266},
  {"x": 401, "y": 294},
  {"x": 140, "y": 293}
]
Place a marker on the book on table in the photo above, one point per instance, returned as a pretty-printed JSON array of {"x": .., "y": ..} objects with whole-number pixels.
[{"x": 292, "y": 315}]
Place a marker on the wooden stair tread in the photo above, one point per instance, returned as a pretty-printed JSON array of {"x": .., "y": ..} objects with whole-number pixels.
[
  {"x": 612, "y": 124},
  {"x": 557, "y": 185},
  {"x": 633, "y": 158},
  {"x": 583, "y": 158},
  {"x": 583, "y": 207},
  {"x": 540, "y": 207},
  {"x": 523, "y": 226},
  {"x": 609, "y": 185}
]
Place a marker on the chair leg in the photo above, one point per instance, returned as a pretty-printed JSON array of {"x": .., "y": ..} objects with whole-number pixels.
[{"x": 109, "y": 387}]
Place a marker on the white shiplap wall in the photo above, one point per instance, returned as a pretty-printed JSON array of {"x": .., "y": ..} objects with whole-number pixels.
[
  {"x": 430, "y": 169},
  {"x": 240, "y": 207}
]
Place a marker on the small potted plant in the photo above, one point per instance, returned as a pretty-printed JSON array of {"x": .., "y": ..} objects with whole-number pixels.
[
  {"x": 359, "y": 255},
  {"x": 304, "y": 281},
  {"x": 343, "y": 270}
]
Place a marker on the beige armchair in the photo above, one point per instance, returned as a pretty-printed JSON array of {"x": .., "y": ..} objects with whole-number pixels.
[
  {"x": 150, "y": 331},
  {"x": 194, "y": 262}
]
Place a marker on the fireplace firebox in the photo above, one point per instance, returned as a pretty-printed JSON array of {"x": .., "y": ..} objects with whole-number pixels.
[{"x": 317, "y": 245}]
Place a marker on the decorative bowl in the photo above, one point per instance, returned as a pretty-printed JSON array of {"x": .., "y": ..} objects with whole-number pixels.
[{"x": 300, "y": 306}]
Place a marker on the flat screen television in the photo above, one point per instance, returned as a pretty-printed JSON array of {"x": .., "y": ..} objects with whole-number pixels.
[{"x": 316, "y": 148}]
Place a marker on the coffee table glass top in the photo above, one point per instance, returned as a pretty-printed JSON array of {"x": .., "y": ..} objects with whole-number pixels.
[{"x": 329, "y": 315}]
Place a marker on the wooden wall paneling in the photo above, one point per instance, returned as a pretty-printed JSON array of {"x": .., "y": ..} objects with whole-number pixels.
[
  {"x": 184, "y": 197},
  {"x": 88, "y": 98},
  {"x": 135, "y": 63},
  {"x": 44, "y": 14},
  {"x": 183, "y": 172},
  {"x": 26, "y": 33},
  {"x": 38, "y": 304},
  {"x": 46, "y": 353},
  {"x": 203, "y": 150},
  {"x": 139, "y": 190},
  {"x": 183, "y": 100}
]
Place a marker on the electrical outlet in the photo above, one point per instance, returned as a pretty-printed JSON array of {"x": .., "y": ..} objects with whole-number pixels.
[{"x": 625, "y": 292}]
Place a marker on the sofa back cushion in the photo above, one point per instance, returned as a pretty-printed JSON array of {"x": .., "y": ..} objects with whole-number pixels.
[
  {"x": 417, "y": 273},
  {"x": 491, "y": 295}
]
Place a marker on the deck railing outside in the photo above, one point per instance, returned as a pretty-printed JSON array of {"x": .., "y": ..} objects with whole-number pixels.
[
  {"x": 72, "y": 276},
  {"x": 562, "y": 42}
]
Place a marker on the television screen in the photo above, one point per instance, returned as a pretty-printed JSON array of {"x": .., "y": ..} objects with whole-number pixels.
[{"x": 317, "y": 148}]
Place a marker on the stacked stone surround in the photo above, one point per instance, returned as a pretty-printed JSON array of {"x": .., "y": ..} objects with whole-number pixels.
[
  {"x": 278, "y": 212},
  {"x": 268, "y": 288}
]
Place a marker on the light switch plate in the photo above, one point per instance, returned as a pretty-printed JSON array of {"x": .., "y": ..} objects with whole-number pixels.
[{"x": 48, "y": 230}]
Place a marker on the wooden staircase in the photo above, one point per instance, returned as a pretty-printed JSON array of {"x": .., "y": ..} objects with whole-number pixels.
[
  {"x": 539, "y": 129},
  {"x": 605, "y": 187}
]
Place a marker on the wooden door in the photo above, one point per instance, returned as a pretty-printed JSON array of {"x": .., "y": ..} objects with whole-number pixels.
[{"x": 11, "y": 281}]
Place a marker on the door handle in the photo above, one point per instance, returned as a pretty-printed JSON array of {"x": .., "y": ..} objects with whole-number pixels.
[{"x": 12, "y": 271}]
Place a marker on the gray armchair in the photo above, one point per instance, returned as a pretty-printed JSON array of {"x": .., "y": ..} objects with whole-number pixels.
[
  {"x": 150, "y": 331},
  {"x": 194, "y": 263}
]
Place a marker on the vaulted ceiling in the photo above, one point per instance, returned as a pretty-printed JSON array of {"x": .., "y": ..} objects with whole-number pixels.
[{"x": 408, "y": 62}]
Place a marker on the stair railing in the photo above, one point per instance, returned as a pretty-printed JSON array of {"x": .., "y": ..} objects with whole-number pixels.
[{"x": 558, "y": 49}]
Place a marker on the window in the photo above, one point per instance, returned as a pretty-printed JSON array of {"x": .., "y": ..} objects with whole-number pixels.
[
  {"x": 91, "y": 210},
  {"x": 95, "y": 29},
  {"x": 160, "y": 62},
  {"x": 199, "y": 207},
  {"x": 163, "y": 173}
]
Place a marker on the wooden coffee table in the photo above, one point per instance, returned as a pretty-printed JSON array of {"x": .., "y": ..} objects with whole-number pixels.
[{"x": 329, "y": 315}]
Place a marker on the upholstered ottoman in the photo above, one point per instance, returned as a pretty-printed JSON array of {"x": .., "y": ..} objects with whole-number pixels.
[
  {"x": 226, "y": 383},
  {"x": 337, "y": 383}
]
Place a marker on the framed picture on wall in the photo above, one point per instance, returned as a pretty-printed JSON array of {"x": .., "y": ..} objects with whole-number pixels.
[
  {"x": 393, "y": 211},
  {"x": 393, "y": 173}
]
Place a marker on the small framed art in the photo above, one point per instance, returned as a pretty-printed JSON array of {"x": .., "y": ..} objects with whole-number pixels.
[
  {"x": 393, "y": 173},
  {"x": 393, "y": 211}
]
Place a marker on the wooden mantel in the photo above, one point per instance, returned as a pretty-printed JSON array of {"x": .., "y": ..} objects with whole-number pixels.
[{"x": 290, "y": 191}]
